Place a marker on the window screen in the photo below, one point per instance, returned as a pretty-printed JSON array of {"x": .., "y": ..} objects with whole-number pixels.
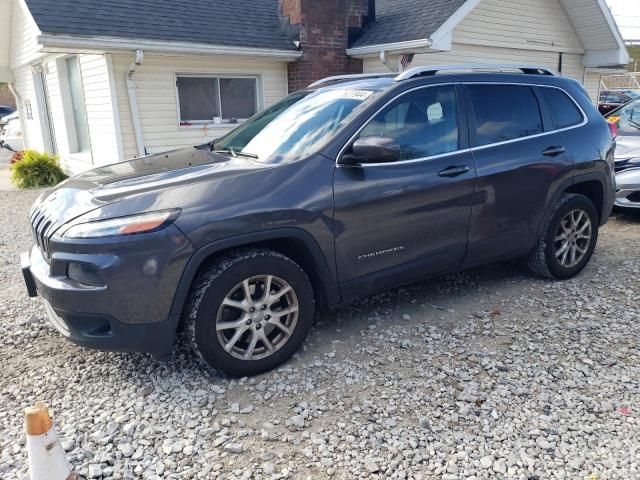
[
  {"x": 504, "y": 112},
  {"x": 212, "y": 99},
  {"x": 564, "y": 111},
  {"x": 198, "y": 98}
]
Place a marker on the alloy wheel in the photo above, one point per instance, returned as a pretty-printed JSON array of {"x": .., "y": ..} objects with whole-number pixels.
[
  {"x": 257, "y": 317},
  {"x": 573, "y": 238}
]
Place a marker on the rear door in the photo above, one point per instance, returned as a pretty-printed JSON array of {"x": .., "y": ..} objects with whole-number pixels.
[
  {"x": 520, "y": 159},
  {"x": 410, "y": 218}
]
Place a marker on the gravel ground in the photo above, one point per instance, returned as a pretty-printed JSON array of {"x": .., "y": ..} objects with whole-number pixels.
[{"x": 491, "y": 373}]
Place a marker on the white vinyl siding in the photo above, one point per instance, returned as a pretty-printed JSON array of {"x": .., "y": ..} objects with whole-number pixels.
[
  {"x": 494, "y": 32},
  {"x": 157, "y": 98},
  {"x": 23, "y": 80},
  {"x": 523, "y": 24},
  {"x": 101, "y": 119},
  {"x": 5, "y": 39},
  {"x": 24, "y": 33},
  {"x": 100, "y": 115}
]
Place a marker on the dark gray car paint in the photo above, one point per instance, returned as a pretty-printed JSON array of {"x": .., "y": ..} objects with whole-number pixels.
[{"x": 344, "y": 216}]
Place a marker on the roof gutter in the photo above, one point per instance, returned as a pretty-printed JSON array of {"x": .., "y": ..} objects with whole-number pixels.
[
  {"x": 64, "y": 43},
  {"x": 373, "y": 50},
  {"x": 133, "y": 102}
]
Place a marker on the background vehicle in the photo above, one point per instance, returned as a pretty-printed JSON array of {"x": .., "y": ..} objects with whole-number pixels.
[
  {"x": 628, "y": 184},
  {"x": 633, "y": 94},
  {"x": 352, "y": 186},
  {"x": 627, "y": 157},
  {"x": 627, "y": 125},
  {"x": 612, "y": 99},
  {"x": 6, "y": 110},
  {"x": 11, "y": 132}
]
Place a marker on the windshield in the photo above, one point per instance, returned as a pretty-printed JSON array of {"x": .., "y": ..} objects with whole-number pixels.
[
  {"x": 295, "y": 127},
  {"x": 627, "y": 118}
]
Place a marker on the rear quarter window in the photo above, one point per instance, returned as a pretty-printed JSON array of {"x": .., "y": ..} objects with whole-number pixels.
[
  {"x": 564, "y": 112},
  {"x": 504, "y": 112}
]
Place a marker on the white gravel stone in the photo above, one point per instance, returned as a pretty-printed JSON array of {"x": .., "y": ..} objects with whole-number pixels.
[
  {"x": 297, "y": 421},
  {"x": 234, "y": 448},
  {"x": 95, "y": 471},
  {"x": 488, "y": 374}
]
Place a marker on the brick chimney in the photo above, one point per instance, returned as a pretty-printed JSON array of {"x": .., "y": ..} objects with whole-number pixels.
[{"x": 324, "y": 29}]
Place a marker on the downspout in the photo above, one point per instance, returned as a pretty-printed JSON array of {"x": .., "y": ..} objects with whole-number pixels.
[
  {"x": 385, "y": 61},
  {"x": 21, "y": 113},
  {"x": 133, "y": 102}
]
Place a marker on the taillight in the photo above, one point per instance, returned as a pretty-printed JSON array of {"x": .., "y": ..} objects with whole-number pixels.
[{"x": 614, "y": 129}]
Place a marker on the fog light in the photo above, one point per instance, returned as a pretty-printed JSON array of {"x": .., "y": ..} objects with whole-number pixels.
[{"x": 85, "y": 274}]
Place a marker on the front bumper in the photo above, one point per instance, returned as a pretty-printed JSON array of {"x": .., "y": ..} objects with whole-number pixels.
[
  {"x": 130, "y": 312},
  {"x": 628, "y": 198}
]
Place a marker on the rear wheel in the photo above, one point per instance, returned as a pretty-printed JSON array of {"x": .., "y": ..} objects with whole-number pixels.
[
  {"x": 568, "y": 240},
  {"x": 250, "y": 312}
]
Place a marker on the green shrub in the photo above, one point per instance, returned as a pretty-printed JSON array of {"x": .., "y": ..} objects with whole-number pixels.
[{"x": 37, "y": 169}]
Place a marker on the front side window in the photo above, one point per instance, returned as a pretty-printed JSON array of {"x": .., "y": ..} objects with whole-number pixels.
[
  {"x": 424, "y": 123},
  {"x": 504, "y": 112},
  {"x": 206, "y": 100},
  {"x": 564, "y": 112},
  {"x": 627, "y": 118},
  {"x": 79, "y": 131}
]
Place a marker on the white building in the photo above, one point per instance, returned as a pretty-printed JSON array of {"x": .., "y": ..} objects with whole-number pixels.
[{"x": 100, "y": 82}]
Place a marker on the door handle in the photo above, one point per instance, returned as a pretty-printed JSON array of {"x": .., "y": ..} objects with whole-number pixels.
[
  {"x": 554, "y": 151},
  {"x": 454, "y": 171}
]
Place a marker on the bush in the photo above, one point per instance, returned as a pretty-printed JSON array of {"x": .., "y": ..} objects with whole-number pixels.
[
  {"x": 37, "y": 169},
  {"x": 16, "y": 157}
]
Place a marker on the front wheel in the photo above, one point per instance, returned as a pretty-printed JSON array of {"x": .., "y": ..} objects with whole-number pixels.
[
  {"x": 250, "y": 312},
  {"x": 568, "y": 240}
]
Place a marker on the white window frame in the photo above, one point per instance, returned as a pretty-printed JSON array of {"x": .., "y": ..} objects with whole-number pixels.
[
  {"x": 67, "y": 107},
  {"x": 210, "y": 123}
]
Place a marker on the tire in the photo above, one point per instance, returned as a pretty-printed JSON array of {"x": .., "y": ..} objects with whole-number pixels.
[
  {"x": 227, "y": 281},
  {"x": 549, "y": 259}
]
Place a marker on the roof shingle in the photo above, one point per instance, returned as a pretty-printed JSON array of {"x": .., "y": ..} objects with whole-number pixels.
[
  {"x": 405, "y": 20},
  {"x": 246, "y": 23}
]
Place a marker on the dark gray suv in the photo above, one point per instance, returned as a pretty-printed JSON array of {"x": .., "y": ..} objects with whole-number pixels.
[{"x": 354, "y": 185}]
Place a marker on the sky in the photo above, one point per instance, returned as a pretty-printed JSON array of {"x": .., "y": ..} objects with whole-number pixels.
[{"x": 627, "y": 15}]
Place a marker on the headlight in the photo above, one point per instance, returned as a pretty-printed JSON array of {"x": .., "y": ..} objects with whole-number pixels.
[{"x": 132, "y": 225}]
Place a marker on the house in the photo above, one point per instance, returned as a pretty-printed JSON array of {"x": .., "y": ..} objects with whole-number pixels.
[{"x": 99, "y": 82}]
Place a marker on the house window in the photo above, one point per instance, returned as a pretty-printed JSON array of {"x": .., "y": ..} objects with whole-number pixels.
[
  {"x": 76, "y": 112},
  {"x": 211, "y": 99}
]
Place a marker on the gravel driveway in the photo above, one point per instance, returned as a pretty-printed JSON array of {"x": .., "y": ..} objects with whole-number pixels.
[{"x": 491, "y": 373}]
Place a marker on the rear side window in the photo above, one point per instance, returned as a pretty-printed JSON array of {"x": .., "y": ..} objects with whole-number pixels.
[
  {"x": 504, "y": 112},
  {"x": 564, "y": 111}
]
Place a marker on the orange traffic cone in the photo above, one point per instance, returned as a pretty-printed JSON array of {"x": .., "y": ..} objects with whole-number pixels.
[{"x": 47, "y": 460}]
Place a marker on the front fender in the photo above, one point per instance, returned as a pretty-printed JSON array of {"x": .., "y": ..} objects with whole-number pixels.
[{"x": 321, "y": 273}]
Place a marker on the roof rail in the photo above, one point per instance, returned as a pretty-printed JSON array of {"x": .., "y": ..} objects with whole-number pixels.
[
  {"x": 433, "y": 69},
  {"x": 346, "y": 78}
]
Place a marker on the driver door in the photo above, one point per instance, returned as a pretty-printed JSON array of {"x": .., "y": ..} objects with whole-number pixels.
[{"x": 396, "y": 222}]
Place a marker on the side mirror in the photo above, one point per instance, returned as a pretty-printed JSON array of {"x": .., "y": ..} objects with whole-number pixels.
[{"x": 372, "y": 150}]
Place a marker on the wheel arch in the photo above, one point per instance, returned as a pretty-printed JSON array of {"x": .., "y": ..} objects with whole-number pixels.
[
  {"x": 593, "y": 189},
  {"x": 291, "y": 242},
  {"x": 591, "y": 185}
]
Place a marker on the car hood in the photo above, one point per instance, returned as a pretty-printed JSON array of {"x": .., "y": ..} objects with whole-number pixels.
[{"x": 113, "y": 183}]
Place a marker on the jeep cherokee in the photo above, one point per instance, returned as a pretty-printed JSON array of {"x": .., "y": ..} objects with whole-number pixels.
[{"x": 354, "y": 185}]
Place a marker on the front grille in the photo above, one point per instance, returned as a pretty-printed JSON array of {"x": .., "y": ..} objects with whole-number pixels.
[
  {"x": 43, "y": 224},
  {"x": 634, "y": 197}
]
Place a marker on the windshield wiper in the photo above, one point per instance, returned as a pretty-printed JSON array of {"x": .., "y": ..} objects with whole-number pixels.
[
  {"x": 228, "y": 151},
  {"x": 236, "y": 153}
]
